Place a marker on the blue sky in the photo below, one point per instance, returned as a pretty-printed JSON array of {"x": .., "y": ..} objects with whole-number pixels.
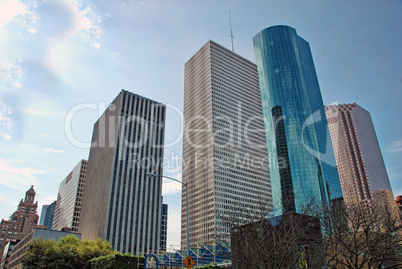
[{"x": 55, "y": 55}]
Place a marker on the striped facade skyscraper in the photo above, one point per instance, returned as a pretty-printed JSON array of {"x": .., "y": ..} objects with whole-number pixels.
[
  {"x": 121, "y": 204},
  {"x": 69, "y": 199},
  {"x": 358, "y": 155},
  {"x": 225, "y": 160}
]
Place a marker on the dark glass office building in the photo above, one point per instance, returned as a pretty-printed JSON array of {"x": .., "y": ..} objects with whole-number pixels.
[
  {"x": 302, "y": 162},
  {"x": 47, "y": 215}
]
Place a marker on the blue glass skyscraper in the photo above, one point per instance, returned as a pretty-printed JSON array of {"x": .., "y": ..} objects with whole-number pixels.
[{"x": 302, "y": 162}]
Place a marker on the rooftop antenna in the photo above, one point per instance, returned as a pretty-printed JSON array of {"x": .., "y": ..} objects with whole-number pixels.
[{"x": 231, "y": 34}]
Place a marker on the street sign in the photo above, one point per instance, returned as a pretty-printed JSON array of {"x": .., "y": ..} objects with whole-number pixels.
[{"x": 189, "y": 262}]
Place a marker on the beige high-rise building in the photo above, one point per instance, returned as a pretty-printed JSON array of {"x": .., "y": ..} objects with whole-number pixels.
[
  {"x": 361, "y": 167},
  {"x": 69, "y": 199},
  {"x": 225, "y": 159}
]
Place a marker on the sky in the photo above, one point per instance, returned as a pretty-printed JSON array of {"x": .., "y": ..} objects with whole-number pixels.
[{"x": 63, "y": 62}]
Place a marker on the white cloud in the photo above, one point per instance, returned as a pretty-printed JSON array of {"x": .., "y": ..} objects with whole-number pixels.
[
  {"x": 96, "y": 45},
  {"x": 11, "y": 8},
  {"x": 16, "y": 176},
  {"x": 6, "y": 136},
  {"x": 6, "y": 123},
  {"x": 39, "y": 112},
  {"x": 22, "y": 13},
  {"x": 84, "y": 31},
  {"x": 48, "y": 199},
  {"x": 84, "y": 19},
  {"x": 171, "y": 186},
  {"x": 11, "y": 73},
  {"x": 45, "y": 135},
  {"x": 395, "y": 146},
  {"x": 54, "y": 150},
  {"x": 31, "y": 30}
]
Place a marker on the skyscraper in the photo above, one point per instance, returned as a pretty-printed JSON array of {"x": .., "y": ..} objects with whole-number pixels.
[
  {"x": 21, "y": 222},
  {"x": 164, "y": 227},
  {"x": 358, "y": 155},
  {"x": 121, "y": 204},
  {"x": 302, "y": 168},
  {"x": 69, "y": 199},
  {"x": 47, "y": 215},
  {"x": 225, "y": 161}
]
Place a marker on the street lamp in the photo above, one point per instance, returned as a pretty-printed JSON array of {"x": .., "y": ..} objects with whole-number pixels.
[{"x": 185, "y": 184}]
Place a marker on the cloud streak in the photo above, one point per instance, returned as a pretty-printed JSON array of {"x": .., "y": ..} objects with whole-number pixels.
[
  {"x": 170, "y": 186},
  {"x": 54, "y": 150},
  {"x": 6, "y": 123},
  {"x": 17, "y": 176},
  {"x": 395, "y": 146},
  {"x": 39, "y": 112},
  {"x": 10, "y": 9}
]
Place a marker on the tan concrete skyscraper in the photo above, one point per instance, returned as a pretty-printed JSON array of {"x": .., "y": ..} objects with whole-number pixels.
[
  {"x": 358, "y": 156},
  {"x": 120, "y": 203},
  {"x": 225, "y": 160},
  {"x": 69, "y": 199}
]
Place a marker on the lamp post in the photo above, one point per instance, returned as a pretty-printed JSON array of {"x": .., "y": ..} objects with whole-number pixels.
[{"x": 185, "y": 184}]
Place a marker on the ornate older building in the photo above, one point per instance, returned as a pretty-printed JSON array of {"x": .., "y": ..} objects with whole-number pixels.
[{"x": 21, "y": 222}]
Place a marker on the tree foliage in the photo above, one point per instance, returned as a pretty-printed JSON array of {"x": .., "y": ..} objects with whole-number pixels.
[
  {"x": 362, "y": 236},
  {"x": 116, "y": 261},
  {"x": 209, "y": 266},
  {"x": 68, "y": 253}
]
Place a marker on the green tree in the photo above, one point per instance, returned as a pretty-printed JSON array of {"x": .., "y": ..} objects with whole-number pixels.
[
  {"x": 65, "y": 254},
  {"x": 116, "y": 261}
]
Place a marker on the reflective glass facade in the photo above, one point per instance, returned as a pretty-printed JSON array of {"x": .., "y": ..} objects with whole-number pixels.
[
  {"x": 302, "y": 163},
  {"x": 47, "y": 215}
]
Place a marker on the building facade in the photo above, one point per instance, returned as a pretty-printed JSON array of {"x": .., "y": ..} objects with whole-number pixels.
[
  {"x": 225, "y": 161},
  {"x": 164, "y": 227},
  {"x": 398, "y": 202},
  {"x": 120, "y": 203},
  {"x": 302, "y": 168},
  {"x": 294, "y": 242},
  {"x": 47, "y": 215},
  {"x": 8, "y": 249},
  {"x": 69, "y": 199},
  {"x": 21, "y": 222},
  {"x": 358, "y": 155},
  {"x": 20, "y": 248}
]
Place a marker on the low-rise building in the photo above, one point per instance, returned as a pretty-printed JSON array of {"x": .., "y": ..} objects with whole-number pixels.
[
  {"x": 288, "y": 241},
  {"x": 19, "y": 250},
  {"x": 5, "y": 259}
]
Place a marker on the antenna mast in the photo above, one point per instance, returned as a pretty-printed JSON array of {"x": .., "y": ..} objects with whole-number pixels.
[{"x": 231, "y": 34}]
